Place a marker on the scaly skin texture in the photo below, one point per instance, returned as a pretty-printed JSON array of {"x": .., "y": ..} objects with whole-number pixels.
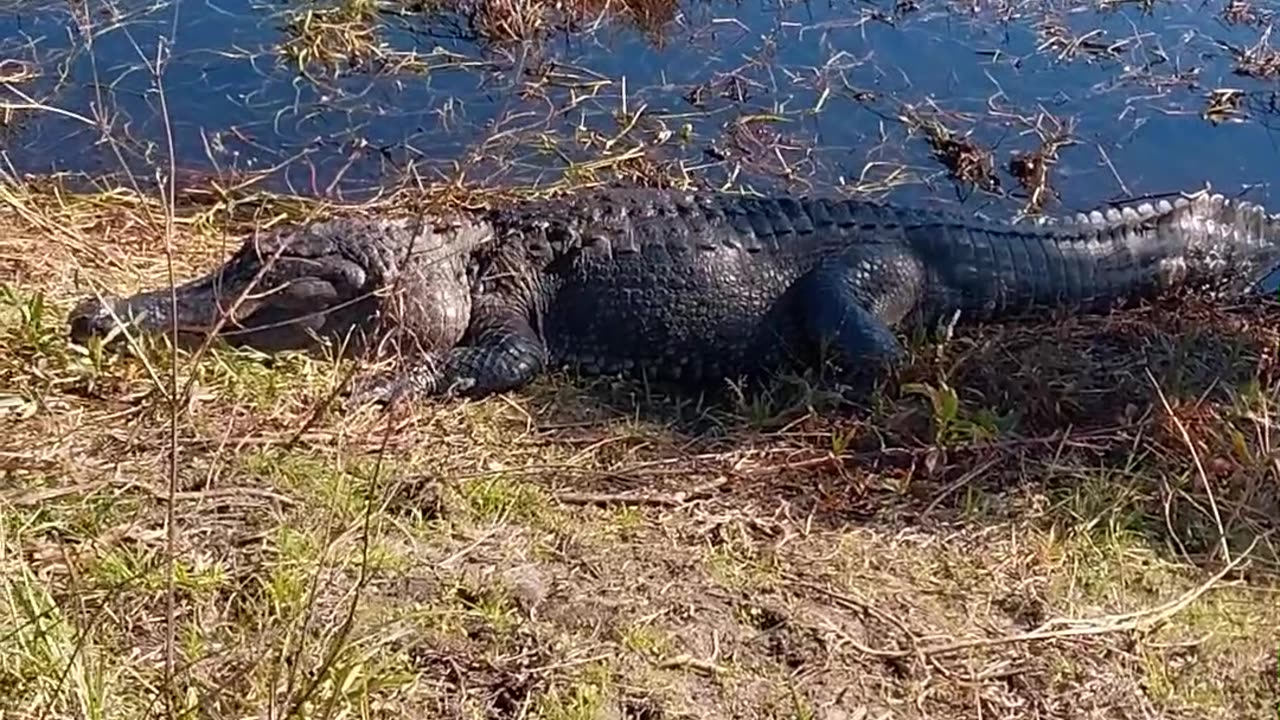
[
  {"x": 339, "y": 280},
  {"x": 697, "y": 287}
]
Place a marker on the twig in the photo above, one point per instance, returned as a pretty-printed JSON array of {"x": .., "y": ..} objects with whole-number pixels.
[
  {"x": 170, "y": 514},
  {"x": 1134, "y": 621},
  {"x": 1195, "y": 456},
  {"x": 320, "y": 675},
  {"x": 853, "y": 603},
  {"x": 961, "y": 482},
  {"x": 33, "y": 498},
  {"x": 693, "y": 663},
  {"x": 467, "y": 550},
  {"x": 669, "y": 500},
  {"x": 1141, "y": 620}
]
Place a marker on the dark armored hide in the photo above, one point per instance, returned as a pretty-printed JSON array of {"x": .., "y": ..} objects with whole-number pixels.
[{"x": 692, "y": 286}]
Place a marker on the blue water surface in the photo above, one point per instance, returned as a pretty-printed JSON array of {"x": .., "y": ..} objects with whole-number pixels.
[{"x": 829, "y": 81}]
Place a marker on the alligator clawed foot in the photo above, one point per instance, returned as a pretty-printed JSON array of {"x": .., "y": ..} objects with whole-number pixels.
[
  {"x": 419, "y": 381},
  {"x": 383, "y": 392}
]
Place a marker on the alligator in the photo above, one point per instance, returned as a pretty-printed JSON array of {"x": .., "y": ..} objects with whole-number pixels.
[{"x": 685, "y": 286}]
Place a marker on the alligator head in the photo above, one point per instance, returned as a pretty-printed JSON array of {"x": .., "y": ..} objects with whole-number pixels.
[{"x": 345, "y": 280}]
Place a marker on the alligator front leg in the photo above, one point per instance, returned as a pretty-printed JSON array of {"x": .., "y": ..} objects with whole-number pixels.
[
  {"x": 500, "y": 352},
  {"x": 849, "y": 305}
]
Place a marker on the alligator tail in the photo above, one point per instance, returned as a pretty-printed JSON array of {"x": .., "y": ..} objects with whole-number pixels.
[
  {"x": 1205, "y": 242},
  {"x": 1097, "y": 260}
]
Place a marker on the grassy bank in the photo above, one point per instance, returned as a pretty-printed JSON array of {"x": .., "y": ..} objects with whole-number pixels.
[{"x": 1066, "y": 520}]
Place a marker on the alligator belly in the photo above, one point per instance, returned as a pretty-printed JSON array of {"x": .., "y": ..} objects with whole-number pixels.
[{"x": 692, "y": 325}]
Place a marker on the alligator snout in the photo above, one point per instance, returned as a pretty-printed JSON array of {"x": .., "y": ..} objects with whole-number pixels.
[
  {"x": 102, "y": 318},
  {"x": 91, "y": 318}
]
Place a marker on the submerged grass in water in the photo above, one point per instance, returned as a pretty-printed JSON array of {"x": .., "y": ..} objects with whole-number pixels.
[{"x": 1043, "y": 108}]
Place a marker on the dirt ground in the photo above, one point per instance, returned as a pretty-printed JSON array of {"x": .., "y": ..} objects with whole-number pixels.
[{"x": 1073, "y": 518}]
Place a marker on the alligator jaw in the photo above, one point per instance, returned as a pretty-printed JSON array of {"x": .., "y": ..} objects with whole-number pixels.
[
  {"x": 273, "y": 313},
  {"x": 199, "y": 309},
  {"x": 327, "y": 281},
  {"x": 111, "y": 318}
]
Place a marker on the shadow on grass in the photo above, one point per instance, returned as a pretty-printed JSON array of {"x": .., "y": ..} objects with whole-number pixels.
[{"x": 1158, "y": 417}]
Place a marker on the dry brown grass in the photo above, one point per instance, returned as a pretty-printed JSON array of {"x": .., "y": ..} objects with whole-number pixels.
[
  {"x": 343, "y": 36},
  {"x": 1072, "y": 519},
  {"x": 510, "y": 21}
]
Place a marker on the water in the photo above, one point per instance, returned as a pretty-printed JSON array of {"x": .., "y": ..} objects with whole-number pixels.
[{"x": 833, "y": 79}]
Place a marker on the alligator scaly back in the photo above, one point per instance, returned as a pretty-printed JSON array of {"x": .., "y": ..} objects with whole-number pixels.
[{"x": 703, "y": 286}]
